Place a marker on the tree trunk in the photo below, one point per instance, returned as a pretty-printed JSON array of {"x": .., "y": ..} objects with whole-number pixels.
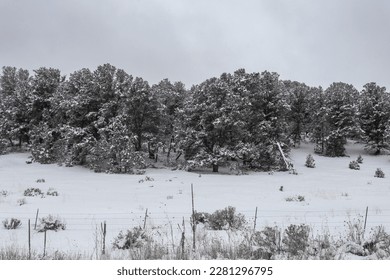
[
  {"x": 215, "y": 167},
  {"x": 138, "y": 143},
  {"x": 169, "y": 148}
]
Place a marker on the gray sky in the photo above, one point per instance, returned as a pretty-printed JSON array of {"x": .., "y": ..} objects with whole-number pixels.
[{"x": 316, "y": 42}]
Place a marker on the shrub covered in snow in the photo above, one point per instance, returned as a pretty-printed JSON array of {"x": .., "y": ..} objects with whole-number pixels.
[
  {"x": 201, "y": 217},
  {"x": 51, "y": 223},
  {"x": 378, "y": 243},
  {"x": 21, "y": 201},
  {"x": 296, "y": 239},
  {"x": 310, "y": 162},
  {"x": 299, "y": 198},
  {"x": 266, "y": 242},
  {"x": 12, "y": 224},
  {"x": 33, "y": 192},
  {"x": 4, "y": 193},
  {"x": 354, "y": 165},
  {"x": 379, "y": 173},
  {"x": 226, "y": 219},
  {"x": 52, "y": 192},
  {"x": 3, "y": 146},
  {"x": 135, "y": 238},
  {"x": 360, "y": 159}
]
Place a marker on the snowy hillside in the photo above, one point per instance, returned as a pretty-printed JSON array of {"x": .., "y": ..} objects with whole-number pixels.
[{"x": 331, "y": 195}]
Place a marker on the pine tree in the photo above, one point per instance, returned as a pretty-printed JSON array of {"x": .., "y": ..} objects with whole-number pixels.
[
  {"x": 43, "y": 123},
  {"x": 15, "y": 105},
  {"x": 341, "y": 110},
  {"x": 318, "y": 119},
  {"x": 298, "y": 95},
  {"x": 374, "y": 117},
  {"x": 211, "y": 123},
  {"x": 139, "y": 107},
  {"x": 170, "y": 98},
  {"x": 266, "y": 123}
]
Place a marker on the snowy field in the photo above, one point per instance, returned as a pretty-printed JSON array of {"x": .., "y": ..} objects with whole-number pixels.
[{"x": 333, "y": 194}]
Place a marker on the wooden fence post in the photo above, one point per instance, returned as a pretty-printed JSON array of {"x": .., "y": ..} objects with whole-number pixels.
[
  {"x": 44, "y": 244},
  {"x": 365, "y": 220},
  {"x": 104, "y": 231},
  {"x": 146, "y": 215},
  {"x": 182, "y": 241},
  {"x": 254, "y": 224},
  {"x": 29, "y": 240},
  {"x": 36, "y": 219},
  {"x": 193, "y": 220}
]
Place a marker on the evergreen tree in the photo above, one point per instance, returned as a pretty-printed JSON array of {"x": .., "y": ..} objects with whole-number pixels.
[
  {"x": 15, "y": 105},
  {"x": 298, "y": 95},
  {"x": 170, "y": 98},
  {"x": 374, "y": 117},
  {"x": 318, "y": 126},
  {"x": 341, "y": 109},
  {"x": 140, "y": 110},
  {"x": 265, "y": 122},
  {"x": 43, "y": 123},
  {"x": 210, "y": 125}
]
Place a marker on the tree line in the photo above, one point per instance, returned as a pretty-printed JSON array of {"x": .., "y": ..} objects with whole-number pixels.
[{"x": 111, "y": 121}]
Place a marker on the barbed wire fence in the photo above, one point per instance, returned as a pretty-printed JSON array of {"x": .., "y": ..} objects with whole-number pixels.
[{"x": 163, "y": 222}]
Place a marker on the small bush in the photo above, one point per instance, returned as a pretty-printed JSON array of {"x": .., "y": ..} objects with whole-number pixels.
[
  {"x": 51, "y": 223},
  {"x": 299, "y": 198},
  {"x": 4, "y": 193},
  {"x": 226, "y": 219},
  {"x": 378, "y": 242},
  {"x": 293, "y": 171},
  {"x": 40, "y": 180},
  {"x": 201, "y": 217},
  {"x": 310, "y": 162},
  {"x": 355, "y": 230},
  {"x": 379, "y": 173},
  {"x": 12, "y": 224},
  {"x": 354, "y": 165},
  {"x": 360, "y": 159},
  {"x": 3, "y": 146},
  {"x": 266, "y": 242},
  {"x": 21, "y": 201},
  {"x": 318, "y": 149},
  {"x": 33, "y": 192},
  {"x": 52, "y": 192},
  {"x": 296, "y": 239},
  {"x": 135, "y": 238},
  {"x": 147, "y": 178}
]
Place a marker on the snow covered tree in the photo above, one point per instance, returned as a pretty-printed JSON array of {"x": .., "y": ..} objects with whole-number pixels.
[
  {"x": 15, "y": 105},
  {"x": 265, "y": 122},
  {"x": 140, "y": 110},
  {"x": 318, "y": 125},
  {"x": 374, "y": 117},
  {"x": 43, "y": 123},
  {"x": 210, "y": 124},
  {"x": 341, "y": 110},
  {"x": 298, "y": 95},
  {"x": 77, "y": 110},
  {"x": 170, "y": 98}
]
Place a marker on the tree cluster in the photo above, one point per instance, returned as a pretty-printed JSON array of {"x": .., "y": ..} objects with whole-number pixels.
[{"x": 111, "y": 121}]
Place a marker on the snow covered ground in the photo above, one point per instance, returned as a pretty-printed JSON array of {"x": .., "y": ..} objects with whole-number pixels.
[{"x": 333, "y": 194}]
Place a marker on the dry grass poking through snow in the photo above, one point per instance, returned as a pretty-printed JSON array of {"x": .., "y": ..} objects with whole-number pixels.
[{"x": 295, "y": 242}]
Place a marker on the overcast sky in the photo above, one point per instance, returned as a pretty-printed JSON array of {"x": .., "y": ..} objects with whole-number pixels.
[{"x": 316, "y": 42}]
